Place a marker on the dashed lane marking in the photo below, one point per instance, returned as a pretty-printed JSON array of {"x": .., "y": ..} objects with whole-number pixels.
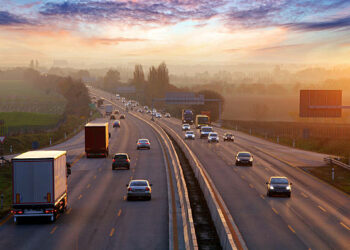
[
  {"x": 251, "y": 185},
  {"x": 345, "y": 226},
  {"x": 124, "y": 197},
  {"x": 94, "y": 177},
  {"x": 324, "y": 210},
  {"x": 291, "y": 229},
  {"x": 69, "y": 210},
  {"x": 80, "y": 196},
  {"x": 119, "y": 212},
  {"x": 88, "y": 185},
  {"x": 53, "y": 230},
  {"x": 275, "y": 211},
  {"x": 112, "y": 232},
  {"x": 262, "y": 196},
  {"x": 303, "y": 194}
]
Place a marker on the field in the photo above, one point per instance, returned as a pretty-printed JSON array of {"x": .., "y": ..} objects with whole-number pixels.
[
  {"x": 5, "y": 188},
  {"x": 18, "y": 96}
]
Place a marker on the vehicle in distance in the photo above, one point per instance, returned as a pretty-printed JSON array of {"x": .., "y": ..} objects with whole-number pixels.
[
  {"x": 187, "y": 116},
  {"x": 116, "y": 112},
  {"x": 228, "y": 137},
  {"x": 143, "y": 143},
  {"x": 112, "y": 117},
  {"x": 109, "y": 109},
  {"x": 202, "y": 120},
  {"x": 213, "y": 137},
  {"x": 279, "y": 185},
  {"x": 244, "y": 159},
  {"x": 158, "y": 115},
  {"x": 190, "y": 135},
  {"x": 139, "y": 189},
  {"x": 99, "y": 102},
  {"x": 122, "y": 116},
  {"x": 167, "y": 115},
  {"x": 39, "y": 184},
  {"x": 116, "y": 124},
  {"x": 96, "y": 139},
  {"x": 121, "y": 160},
  {"x": 186, "y": 127},
  {"x": 205, "y": 131}
]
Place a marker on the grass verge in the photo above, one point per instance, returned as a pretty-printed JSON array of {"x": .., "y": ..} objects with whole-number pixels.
[
  {"x": 341, "y": 176},
  {"x": 5, "y": 188}
]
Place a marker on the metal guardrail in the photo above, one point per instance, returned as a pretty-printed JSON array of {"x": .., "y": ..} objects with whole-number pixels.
[{"x": 331, "y": 160}]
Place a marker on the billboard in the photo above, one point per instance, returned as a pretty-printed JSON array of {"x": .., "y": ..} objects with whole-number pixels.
[
  {"x": 320, "y": 103},
  {"x": 126, "y": 90},
  {"x": 186, "y": 98}
]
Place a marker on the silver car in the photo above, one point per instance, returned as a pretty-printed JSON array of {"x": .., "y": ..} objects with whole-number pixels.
[
  {"x": 143, "y": 143},
  {"x": 244, "y": 158},
  {"x": 190, "y": 135},
  {"x": 186, "y": 127},
  {"x": 139, "y": 189},
  {"x": 213, "y": 137}
]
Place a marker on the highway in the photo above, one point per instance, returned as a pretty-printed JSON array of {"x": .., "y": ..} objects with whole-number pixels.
[
  {"x": 98, "y": 216},
  {"x": 316, "y": 217}
]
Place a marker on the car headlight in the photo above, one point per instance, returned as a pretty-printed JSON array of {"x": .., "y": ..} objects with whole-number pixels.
[
  {"x": 251, "y": 159},
  {"x": 238, "y": 159},
  {"x": 271, "y": 187},
  {"x": 288, "y": 187}
]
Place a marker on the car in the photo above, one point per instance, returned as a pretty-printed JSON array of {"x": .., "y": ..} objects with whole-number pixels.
[
  {"x": 186, "y": 127},
  {"x": 121, "y": 160},
  {"x": 149, "y": 111},
  {"x": 145, "y": 107},
  {"x": 139, "y": 189},
  {"x": 213, "y": 137},
  {"x": 167, "y": 115},
  {"x": 116, "y": 124},
  {"x": 158, "y": 115},
  {"x": 143, "y": 143},
  {"x": 228, "y": 137},
  {"x": 190, "y": 135},
  {"x": 122, "y": 116},
  {"x": 112, "y": 117},
  {"x": 205, "y": 131},
  {"x": 116, "y": 112},
  {"x": 244, "y": 158},
  {"x": 279, "y": 185}
]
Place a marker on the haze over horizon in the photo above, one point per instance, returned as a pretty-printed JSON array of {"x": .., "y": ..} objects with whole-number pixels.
[{"x": 178, "y": 32}]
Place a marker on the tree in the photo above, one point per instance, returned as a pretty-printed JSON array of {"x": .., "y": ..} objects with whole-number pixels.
[
  {"x": 111, "y": 80},
  {"x": 139, "y": 77},
  {"x": 36, "y": 64},
  {"x": 31, "y": 65}
]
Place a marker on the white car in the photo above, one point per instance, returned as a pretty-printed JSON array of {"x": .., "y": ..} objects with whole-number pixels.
[
  {"x": 213, "y": 137},
  {"x": 167, "y": 115},
  {"x": 186, "y": 127},
  {"x": 190, "y": 135},
  {"x": 158, "y": 115}
]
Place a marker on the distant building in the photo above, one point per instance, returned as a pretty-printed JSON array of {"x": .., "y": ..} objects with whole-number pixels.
[{"x": 60, "y": 63}]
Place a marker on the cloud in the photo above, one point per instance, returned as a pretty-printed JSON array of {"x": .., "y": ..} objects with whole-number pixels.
[
  {"x": 325, "y": 25},
  {"x": 8, "y": 19},
  {"x": 268, "y": 13},
  {"x": 111, "y": 41},
  {"x": 133, "y": 12}
]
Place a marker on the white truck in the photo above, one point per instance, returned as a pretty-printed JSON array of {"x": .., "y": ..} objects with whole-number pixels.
[{"x": 39, "y": 184}]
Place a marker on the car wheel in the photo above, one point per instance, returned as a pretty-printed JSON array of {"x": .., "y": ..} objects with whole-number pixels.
[
  {"x": 289, "y": 195},
  {"x": 236, "y": 163},
  {"x": 268, "y": 194}
]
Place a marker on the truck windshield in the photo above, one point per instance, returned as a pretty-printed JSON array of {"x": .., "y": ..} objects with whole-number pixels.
[
  {"x": 203, "y": 120},
  {"x": 209, "y": 129}
]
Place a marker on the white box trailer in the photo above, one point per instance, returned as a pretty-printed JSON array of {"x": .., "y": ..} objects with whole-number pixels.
[{"x": 39, "y": 184}]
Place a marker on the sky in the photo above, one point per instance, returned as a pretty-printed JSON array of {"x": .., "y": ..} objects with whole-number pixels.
[{"x": 104, "y": 33}]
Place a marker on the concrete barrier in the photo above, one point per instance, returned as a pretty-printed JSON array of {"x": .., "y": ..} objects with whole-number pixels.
[{"x": 230, "y": 237}]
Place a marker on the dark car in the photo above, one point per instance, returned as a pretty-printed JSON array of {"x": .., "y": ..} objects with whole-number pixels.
[
  {"x": 122, "y": 117},
  {"x": 121, "y": 160},
  {"x": 112, "y": 117},
  {"x": 143, "y": 143},
  {"x": 229, "y": 137},
  {"x": 279, "y": 185},
  {"x": 116, "y": 112},
  {"x": 244, "y": 158},
  {"x": 116, "y": 124}
]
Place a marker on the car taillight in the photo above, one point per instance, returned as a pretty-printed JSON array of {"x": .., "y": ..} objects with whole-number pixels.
[
  {"x": 127, "y": 160},
  {"x": 147, "y": 189},
  {"x": 113, "y": 160},
  {"x": 138, "y": 143},
  {"x": 17, "y": 212},
  {"x": 147, "y": 143},
  {"x": 49, "y": 211},
  {"x": 129, "y": 189}
]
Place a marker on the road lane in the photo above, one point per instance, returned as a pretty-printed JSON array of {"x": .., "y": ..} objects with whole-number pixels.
[{"x": 92, "y": 211}]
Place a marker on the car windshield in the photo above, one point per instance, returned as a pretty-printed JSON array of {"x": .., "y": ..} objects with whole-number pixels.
[
  {"x": 138, "y": 184},
  {"x": 120, "y": 157},
  {"x": 243, "y": 155},
  {"x": 186, "y": 125},
  {"x": 208, "y": 129},
  {"x": 228, "y": 135},
  {"x": 213, "y": 135},
  {"x": 143, "y": 141},
  {"x": 279, "y": 181},
  {"x": 189, "y": 133}
]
